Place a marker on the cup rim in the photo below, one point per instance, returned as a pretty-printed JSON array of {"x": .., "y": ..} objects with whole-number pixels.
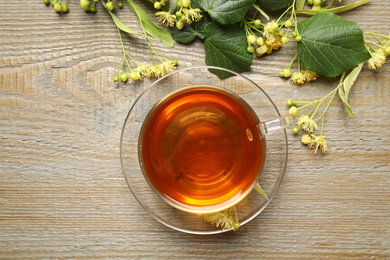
[{"x": 224, "y": 206}]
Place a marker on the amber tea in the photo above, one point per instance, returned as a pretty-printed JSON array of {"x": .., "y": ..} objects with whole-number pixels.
[{"x": 201, "y": 149}]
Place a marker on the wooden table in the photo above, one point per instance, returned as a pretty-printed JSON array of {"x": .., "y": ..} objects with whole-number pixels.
[{"x": 62, "y": 193}]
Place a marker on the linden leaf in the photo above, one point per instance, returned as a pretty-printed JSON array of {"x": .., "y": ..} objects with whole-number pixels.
[
  {"x": 226, "y": 12},
  {"x": 331, "y": 45},
  {"x": 191, "y": 31},
  {"x": 274, "y": 4},
  {"x": 148, "y": 25},
  {"x": 225, "y": 47}
]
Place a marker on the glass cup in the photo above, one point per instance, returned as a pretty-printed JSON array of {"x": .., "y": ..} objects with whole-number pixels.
[{"x": 137, "y": 136}]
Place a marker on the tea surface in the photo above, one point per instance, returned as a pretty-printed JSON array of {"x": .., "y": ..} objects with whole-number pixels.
[{"x": 201, "y": 148}]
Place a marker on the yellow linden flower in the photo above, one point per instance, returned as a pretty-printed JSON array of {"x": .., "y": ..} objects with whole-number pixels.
[
  {"x": 270, "y": 28},
  {"x": 307, "y": 124},
  {"x": 166, "y": 18},
  {"x": 306, "y": 139},
  {"x": 322, "y": 144},
  {"x": 377, "y": 59},
  {"x": 298, "y": 78},
  {"x": 220, "y": 219},
  {"x": 139, "y": 72},
  {"x": 151, "y": 71},
  {"x": 161, "y": 69},
  {"x": 309, "y": 75},
  {"x": 273, "y": 42},
  {"x": 192, "y": 15},
  {"x": 318, "y": 143}
]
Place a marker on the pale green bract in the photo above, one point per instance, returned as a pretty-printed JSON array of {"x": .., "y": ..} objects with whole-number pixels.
[
  {"x": 149, "y": 27},
  {"x": 340, "y": 9},
  {"x": 347, "y": 85},
  {"x": 260, "y": 190},
  {"x": 350, "y": 80},
  {"x": 300, "y": 4},
  {"x": 118, "y": 22}
]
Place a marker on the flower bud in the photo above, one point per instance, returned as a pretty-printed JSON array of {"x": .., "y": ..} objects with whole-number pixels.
[
  {"x": 251, "y": 39},
  {"x": 84, "y": 3},
  {"x": 260, "y": 41},
  {"x": 110, "y": 5},
  {"x": 57, "y": 8},
  {"x": 179, "y": 25},
  {"x": 157, "y": 5},
  {"x": 287, "y": 73},
  {"x": 293, "y": 111},
  {"x": 186, "y": 3},
  {"x": 250, "y": 49},
  {"x": 306, "y": 138}
]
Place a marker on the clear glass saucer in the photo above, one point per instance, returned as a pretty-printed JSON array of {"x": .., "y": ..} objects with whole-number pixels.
[{"x": 276, "y": 153}]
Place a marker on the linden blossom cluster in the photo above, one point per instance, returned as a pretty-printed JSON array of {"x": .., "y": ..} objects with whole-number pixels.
[
  {"x": 272, "y": 37},
  {"x": 224, "y": 219},
  {"x": 378, "y": 57},
  {"x": 308, "y": 124},
  {"x": 185, "y": 13},
  {"x": 153, "y": 71}
]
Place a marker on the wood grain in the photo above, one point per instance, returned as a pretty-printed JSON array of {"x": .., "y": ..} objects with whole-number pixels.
[{"x": 62, "y": 193}]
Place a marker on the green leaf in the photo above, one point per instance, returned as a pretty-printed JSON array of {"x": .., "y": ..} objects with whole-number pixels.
[
  {"x": 193, "y": 30},
  {"x": 350, "y": 80},
  {"x": 274, "y": 4},
  {"x": 118, "y": 22},
  {"x": 148, "y": 25},
  {"x": 225, "y": 47},
  {"x": 300, "y": 4},
  {"x": 331, "y": 45},
  {"x": 260, "y": 190},
  {"x": 334, "y": 10},
  {"x": 226, "y": 12}
]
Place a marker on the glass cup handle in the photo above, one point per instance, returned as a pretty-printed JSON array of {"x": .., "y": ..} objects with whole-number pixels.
[{"x": 277, "y": 124}]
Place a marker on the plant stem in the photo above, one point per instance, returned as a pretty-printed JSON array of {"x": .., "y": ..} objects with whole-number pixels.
[
  {"x": 311, "y": 111},
  {"x": 289, "y": 65},
  {"x": 132, "y": 60},
  {"x": 377, "y": 34},
  {"x": 323, "y": 114},
  {"x": 329, "y": 5},
  {"x": 380, "y": 46},
  {"x": 236, "y": 213},
  {"x": 308, "y": 104},
  {"x": 315, "y": 111},
  {"x": 291, "y": 6}
]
